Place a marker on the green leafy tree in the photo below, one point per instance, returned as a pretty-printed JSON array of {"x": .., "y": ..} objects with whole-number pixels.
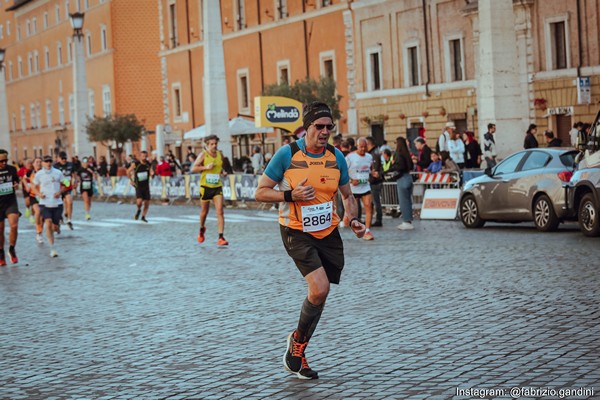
[
  {"x": 309, "y": 90},
  {"x": 114, "y": 128}
]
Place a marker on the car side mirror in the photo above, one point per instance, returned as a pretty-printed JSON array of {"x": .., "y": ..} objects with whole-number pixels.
[{"x": 488, "y": 172}]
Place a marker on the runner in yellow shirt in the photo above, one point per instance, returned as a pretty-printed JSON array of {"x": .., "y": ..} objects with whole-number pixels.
[{"x": 210, "y": 164}]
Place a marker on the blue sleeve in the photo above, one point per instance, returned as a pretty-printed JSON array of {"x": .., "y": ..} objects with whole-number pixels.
[
  {"x": 343, "y": 166},
  {"x": 279, "y": 164}
]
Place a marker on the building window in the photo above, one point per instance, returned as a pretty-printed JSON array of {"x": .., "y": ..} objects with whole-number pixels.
[
  {"x": 106, "y": 102},
  {"x": 411, "y": 66},
  {"x": 283, "y": 72},
  {"x": 61, "y": 110},
  {"x": 59, "y": 59},
  {"x": 78, "y": 5},
  {"x": 281, "y": 8},
  {"x": 558, "y": 51},
  {"x": 374, "y": 71},
  {"x": 67, "y": 10},
  {"x": 57, "y": 13},
  {"x": 104, "y": 38},
  {"x": 327, "y": 66},
  {"x": 240, "y": 17},
  {"x": 88, "y": 41},
  {"x": 23, "y": 119},
  {"x": 38, "y": 114},
  {"x": 46, "y": 21},
  {"x": 69, "y": 50},
  {"x": 1, "y": 31},
  {"x": 36, "y": 61},
  {"x": 71, "y": 107},
  {"x": 18, "y": 33},
  {"x": 243, "y": 91},
  {"x": 87, "y": 4},
  {"x": 177, "y": 101},
  {"x": 325, "y": 3},
  {"x": 10, "y": 71},
  {"x": 173, "y": 25},
  {"x": 46, "y": 58},
  {"x": 14, "y": 122},
  {"x": 91, "y": 104},
  {"x": 20, "y": 66},
  {"x": 32, "y": 115},
  {"x": 49, "y": 113},
  {"x": 455, "y": 65},
  {"x": 29, "y": 63},
  {"x": 7, "y": 28},
  {"x": 34, "y": 25},
  {"x": 27, "y": 28}
]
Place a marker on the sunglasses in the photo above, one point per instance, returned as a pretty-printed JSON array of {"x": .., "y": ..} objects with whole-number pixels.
[
  {"x": 3, "y": 161},
  {"x": 47, "y": 161},
  {"x": 320, "y": 127}
]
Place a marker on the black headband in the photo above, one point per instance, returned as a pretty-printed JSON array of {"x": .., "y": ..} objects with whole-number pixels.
[{"x": 313, "y": 112}]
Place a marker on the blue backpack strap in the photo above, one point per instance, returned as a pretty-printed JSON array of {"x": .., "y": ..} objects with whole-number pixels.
[{"x": 294, "y": 147}]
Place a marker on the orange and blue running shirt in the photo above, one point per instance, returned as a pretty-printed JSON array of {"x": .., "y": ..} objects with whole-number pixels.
[{"x": 325, "y": 172}]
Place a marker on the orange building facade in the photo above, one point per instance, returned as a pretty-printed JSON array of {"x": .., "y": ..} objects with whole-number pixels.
[
  {"x": 265, "y": 42},
  {"x": 121, "y": 43}
]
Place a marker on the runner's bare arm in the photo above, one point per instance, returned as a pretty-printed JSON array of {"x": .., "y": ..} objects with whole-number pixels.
[
  {"x": 198, "y": 167},
  {"x": 351, "y": 210},
  {"x": 266, "y": 193}
]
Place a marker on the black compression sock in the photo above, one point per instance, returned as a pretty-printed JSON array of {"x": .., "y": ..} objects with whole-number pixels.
[{"x": 309, "y": 318}]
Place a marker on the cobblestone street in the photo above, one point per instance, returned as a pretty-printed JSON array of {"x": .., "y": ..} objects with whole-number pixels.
[{"x": 142, "y": 311}]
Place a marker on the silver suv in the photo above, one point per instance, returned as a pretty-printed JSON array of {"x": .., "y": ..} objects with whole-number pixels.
[{"x": 583, "y": 190}]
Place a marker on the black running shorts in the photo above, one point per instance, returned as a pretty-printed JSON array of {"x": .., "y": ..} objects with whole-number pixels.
[
  {"x": 53, "y": 213},
  {"x": 207, "y": 193},
  {"x": 11, "y": 208},
  {"x": 310, "y": 253},
  {"x": 90, "y": 192},
  {"x": 142, "y": 192}
]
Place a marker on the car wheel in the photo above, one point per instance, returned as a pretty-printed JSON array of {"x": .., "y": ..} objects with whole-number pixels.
[
  {"x": 544, "y": 217},
  {"x": 469, "y": 213},
  {"x": 588, "y": 216}
]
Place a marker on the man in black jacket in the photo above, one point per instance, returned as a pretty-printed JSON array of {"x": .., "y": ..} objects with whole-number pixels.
[
  {"x": 424, "y": 156},
  {"x": 376, "y": 180}
]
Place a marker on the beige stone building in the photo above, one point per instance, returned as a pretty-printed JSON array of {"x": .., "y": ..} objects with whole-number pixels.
[{"x": 421, "y": 63}]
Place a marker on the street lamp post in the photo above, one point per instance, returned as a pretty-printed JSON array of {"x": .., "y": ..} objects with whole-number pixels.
[
  {"x": 83, "y": 147},
  {"x": 4, "y": 130}
]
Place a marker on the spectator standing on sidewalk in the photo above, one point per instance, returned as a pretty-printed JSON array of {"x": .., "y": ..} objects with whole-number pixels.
[
  {"x": 113, "y": 167},
  {"x": 530, "y": 140},
  {"x": 163, "y": 169},
  {"x": 424, "y": 155},
  {"x": 308, "y": 221},
  {"x": 403, "y": 166},
  {"x": 472, "y": 151},
  {"x": 489, "y": 146},
  {"x": 456, "y": 148},
  {"x": 258, "y": 161},
  {"x": 552, "y": 141},
  {"x": 376, "y": 181},
  {"x": 444, "y": 139}
]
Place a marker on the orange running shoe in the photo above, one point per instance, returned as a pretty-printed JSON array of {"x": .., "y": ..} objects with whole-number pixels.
[
  {"x": 13, "y": 255},
  {"x": 222, "y": 242},
  {"x": 201, "y": 234}
]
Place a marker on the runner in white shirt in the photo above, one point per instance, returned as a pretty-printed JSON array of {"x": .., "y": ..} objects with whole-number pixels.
[
  {"x": 48, "y": 184},
  {"x": 359, "y": 169}
]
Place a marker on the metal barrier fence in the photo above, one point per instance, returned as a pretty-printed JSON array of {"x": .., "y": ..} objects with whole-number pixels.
[{"x": 422, "y": 182}]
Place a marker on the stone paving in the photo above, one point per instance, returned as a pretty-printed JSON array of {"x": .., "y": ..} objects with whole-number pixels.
[{"x": 136, "y": 311}]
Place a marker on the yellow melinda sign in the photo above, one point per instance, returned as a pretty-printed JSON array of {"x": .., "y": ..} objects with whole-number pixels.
[{"x": 277, "y": 112}]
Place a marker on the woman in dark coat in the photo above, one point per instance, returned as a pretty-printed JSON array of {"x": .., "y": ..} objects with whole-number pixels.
[
  {"x": 472, "y": 151},
  {"x": 530, "y": 140}
]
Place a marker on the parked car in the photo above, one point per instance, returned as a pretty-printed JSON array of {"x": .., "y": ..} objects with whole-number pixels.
[
  {"x": 526, "y": 186},
  {"x": 583, "y": 190}
]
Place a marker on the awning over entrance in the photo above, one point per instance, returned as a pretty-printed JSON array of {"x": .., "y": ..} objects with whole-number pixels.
[{"x": 237, "y": 126}]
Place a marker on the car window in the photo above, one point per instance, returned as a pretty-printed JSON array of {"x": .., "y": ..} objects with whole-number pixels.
[
  {"x": 536, "y": 160},
  {"x": 568, "y": 159},
  {"x": 509, "y": 165}
]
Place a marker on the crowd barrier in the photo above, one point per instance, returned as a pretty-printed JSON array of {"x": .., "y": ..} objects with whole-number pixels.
[
  {"x": 242, "y": 187},
  {"x": 182, "y": 187},
  {"x": 421, "y": 182}
]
